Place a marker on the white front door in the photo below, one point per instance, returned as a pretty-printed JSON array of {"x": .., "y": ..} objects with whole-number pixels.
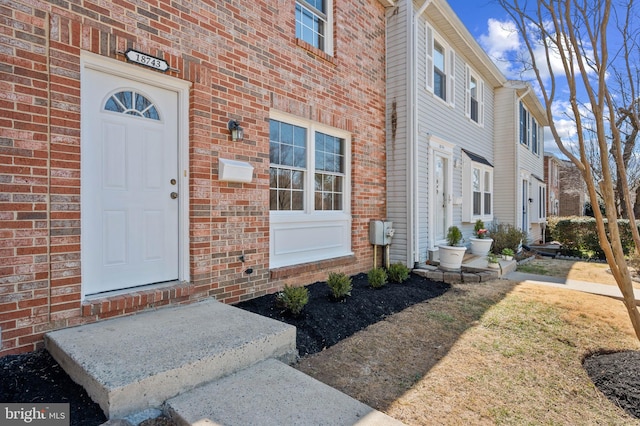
[{"x": 129, "y": 183}]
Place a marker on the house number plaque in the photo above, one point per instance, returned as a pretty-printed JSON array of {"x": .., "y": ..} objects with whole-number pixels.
[{"x": 147, "y": 60}]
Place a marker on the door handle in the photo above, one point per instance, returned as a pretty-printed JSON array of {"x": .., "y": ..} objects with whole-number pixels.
[{"x": 174, "y": 195}]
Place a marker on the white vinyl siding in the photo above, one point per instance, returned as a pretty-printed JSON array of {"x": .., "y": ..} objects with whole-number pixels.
[{"x": 505, "y": 180}]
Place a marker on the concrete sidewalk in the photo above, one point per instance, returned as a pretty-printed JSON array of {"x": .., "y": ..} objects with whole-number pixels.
[{"x": 584, "y": 286}]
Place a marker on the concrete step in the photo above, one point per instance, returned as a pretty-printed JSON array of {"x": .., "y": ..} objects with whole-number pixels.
[
  {"x": 271, "y": 393},
  {"x": 133, "y": 363}
]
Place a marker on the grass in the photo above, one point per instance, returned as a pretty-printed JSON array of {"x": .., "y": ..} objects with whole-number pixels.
[
  {"x": 491, "y": 353},
  {"x": 533, "y": 269}
]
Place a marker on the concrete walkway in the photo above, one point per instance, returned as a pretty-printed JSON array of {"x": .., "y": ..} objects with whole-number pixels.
[
  {"x": 203, "y": 364},
  {"x": 584, "y": 286}
]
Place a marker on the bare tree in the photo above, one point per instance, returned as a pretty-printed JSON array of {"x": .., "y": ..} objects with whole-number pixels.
[{"x": 568, "y": 39}]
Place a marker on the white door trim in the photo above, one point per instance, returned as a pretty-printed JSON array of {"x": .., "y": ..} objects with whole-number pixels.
[
  {"x": 445, "y": 150},
  {"x": 136, "y": 73}
]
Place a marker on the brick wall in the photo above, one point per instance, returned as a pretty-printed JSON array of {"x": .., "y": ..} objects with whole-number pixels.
[{"x": 243, "y": 60}]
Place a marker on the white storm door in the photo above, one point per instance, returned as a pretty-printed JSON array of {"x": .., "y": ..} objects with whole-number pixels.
[
  {"x": 129, "y": 183},
  {"x": 441, "y": 195}
]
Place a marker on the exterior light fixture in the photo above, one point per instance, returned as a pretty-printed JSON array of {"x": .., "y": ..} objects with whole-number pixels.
[{"x": 237, "y": 133}]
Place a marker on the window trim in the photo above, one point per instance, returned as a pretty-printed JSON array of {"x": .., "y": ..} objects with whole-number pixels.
[
  {"x": 309, "y": 235},
  {"x": 529, "y": 135},
  {"x": 524, "y": 125},
  {"x": 432, "y": 36},
  {"x": 468, "y": 166},
  {"x": 542, "y": 200},
  {"x": 480, "y": 89},
  {"x": 328, "y": 31},
  {"x": 310, "y": 170},
  {"x": 535, "y": 136}
]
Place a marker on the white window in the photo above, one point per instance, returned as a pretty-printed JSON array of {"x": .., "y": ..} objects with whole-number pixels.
[
  {"x": 524, "y": 125},
  {"x": 309, "y": 191},
  {"x": 474, "y": 97},
  {"x": 313, "y": 23},
  {"x": 288, "y": 157},
  {"x": 534, "y": 136},
  {"x": 529, "y": 130},
  {"x": 542, "y": 200},
  {"x": 441, "y": 60},
  {"x": 477, "y": 188}
]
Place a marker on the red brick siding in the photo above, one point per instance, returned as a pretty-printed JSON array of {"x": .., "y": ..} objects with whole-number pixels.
[{"x": 243, "y": 60}]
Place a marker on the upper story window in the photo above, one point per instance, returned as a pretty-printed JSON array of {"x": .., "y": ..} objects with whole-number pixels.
[
  {"x": 534, "y": 136},
  {"x": 313, "y": 23},
  {"x": 529, "y": 130},
  {"x": 439, "y": 76},
  {"x": 524, "y": 125},
  {"x": 474, "y": 97},
  {"x": 441, "y": 61}
]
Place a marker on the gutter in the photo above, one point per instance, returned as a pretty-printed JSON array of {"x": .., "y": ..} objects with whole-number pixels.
[{"x": 413, "y": 184}]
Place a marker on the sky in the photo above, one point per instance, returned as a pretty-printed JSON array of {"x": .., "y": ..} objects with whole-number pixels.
[{"x": 485, "y": 21}]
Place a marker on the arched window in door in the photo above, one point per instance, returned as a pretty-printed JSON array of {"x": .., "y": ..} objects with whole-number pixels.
[{"x": 132, "y": 103}]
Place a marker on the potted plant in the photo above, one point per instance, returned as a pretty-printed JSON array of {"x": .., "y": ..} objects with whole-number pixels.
[
  {"x": 480, "y": 242},
  {"x": 451, "y": 255},
  {"x": 507, "y": 253},
  {"x": 493, "y": 261}
]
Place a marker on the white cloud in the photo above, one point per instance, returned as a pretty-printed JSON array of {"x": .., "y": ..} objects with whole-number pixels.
[
  {"x": 500, "y": 43},
  {"x": 503, "y": 44}
]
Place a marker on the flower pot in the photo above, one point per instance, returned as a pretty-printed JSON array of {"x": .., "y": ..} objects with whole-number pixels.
[
  {"x": 493, "y": 265},
  {"x": 505, "y": 257},
  {"x": 481, "y": 246},
  {"x": 451, "y": 257}
]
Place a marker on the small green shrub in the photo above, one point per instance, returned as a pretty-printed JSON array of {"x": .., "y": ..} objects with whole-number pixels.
[
  {"x": 454, "y": 236},
  {"x": 293, "y": 299},
  {"x": 398, "y": 272},
  {"x": 506, "y": 236},
  {"x": 340, "y": 285},
  {"x": 508, "y": 252},
  {"x": 377, "y": 277}
]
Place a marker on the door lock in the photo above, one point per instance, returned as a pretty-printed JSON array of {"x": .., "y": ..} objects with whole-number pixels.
[
  {"x": 174, "y": 195},
  {"x": 173, "y": 182}
]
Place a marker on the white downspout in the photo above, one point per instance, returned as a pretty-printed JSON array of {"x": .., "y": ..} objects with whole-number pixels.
[{"x": 413, "y": 183}]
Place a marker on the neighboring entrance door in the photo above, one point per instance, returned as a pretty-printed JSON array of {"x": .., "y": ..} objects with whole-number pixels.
[
  {"x": 525, "y": 205},
  {"x": 441, "y": 194},
  {"x": 129, "y": 183}
]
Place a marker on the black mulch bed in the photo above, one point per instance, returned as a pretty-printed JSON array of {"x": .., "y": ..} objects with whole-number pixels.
[
  {"x": 324, "y": 321},
  {"x": 36, "y": 377},
  {"x": 617, "y": 375}
]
